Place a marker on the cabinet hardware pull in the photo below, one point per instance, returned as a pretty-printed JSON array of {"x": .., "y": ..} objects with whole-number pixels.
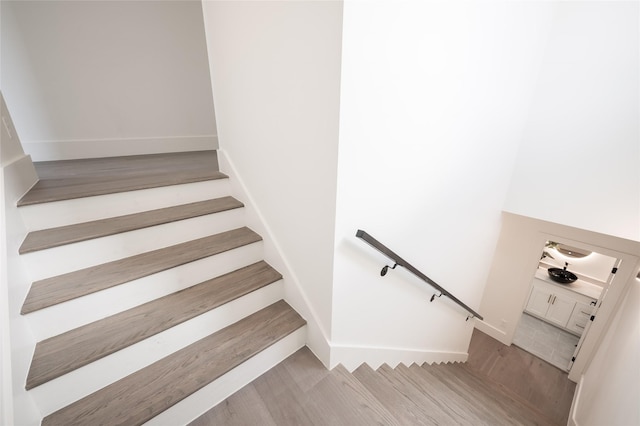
[
  {"x": 579, "y": 326},
  {"x": 554, "y": 300},
  {"x": 583, "y": 312},
  {"x": 549, "y": 299}
]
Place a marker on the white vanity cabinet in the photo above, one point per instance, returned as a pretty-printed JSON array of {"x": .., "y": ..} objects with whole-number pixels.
[{"x": 561, "y": 307}]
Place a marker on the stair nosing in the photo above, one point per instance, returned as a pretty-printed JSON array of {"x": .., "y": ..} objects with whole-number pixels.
[
  {"x": 92, "y": 279},
  {"x": 61, "y": 354},
  {"x": 147, "y": 383},
  {"x": 68, "y": 234}
]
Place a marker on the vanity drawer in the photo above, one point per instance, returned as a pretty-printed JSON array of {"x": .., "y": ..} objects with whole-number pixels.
[{"x": 579, "y": 317}]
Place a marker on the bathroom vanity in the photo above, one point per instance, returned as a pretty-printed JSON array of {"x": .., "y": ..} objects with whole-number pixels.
[{"x": 567, "y": 306}]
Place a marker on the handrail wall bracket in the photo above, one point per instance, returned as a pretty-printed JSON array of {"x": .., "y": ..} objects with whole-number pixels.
[{"x": 385, "y": 269}]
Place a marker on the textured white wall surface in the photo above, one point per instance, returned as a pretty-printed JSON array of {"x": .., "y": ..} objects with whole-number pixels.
[
  {"x": 106, "y": 77},
  {"x": 434, "y": 100},
  {"x": 611, "y": 385},
  {"x": 17, "y": 175},
  {"x": 579, "y": 158},
  {"x": 276, "y": 83}
]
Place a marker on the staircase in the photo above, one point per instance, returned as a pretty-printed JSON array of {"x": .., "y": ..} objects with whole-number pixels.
[
  {"x": 300, "y": 391},
  {"x": 150, "y": 299}
]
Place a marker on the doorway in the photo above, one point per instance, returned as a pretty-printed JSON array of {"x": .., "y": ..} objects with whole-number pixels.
[{"x": 566, "y": 289}]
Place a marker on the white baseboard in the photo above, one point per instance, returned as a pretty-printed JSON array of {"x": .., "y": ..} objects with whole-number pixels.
[
  {"x": 351, "y": 356},
  {"x": 575, "y": 403},
  {"x": 97, "y": 148},
  {"x": 490, "y": 330}
]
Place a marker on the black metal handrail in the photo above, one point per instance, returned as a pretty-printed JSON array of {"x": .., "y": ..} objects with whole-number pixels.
[{"x": 398, "y": 261}]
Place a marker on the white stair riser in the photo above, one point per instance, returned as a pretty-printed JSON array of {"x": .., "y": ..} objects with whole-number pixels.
[
  {"x": 66, "y": 389},
  {"x": 211, "y": 395},
  {"x": 67, "y": 212},
  {"x": 57, "y": 319},
  {"x": 72, "y": 257}
]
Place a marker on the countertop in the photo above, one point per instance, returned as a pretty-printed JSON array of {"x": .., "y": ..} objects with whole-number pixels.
[{"x": 580, "y": 286}]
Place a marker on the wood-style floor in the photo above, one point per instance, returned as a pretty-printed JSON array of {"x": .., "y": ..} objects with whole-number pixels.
[
  {"x": 69, "y": 179},
  {"x": 525, "y": 375},
  {"x": 499, "y": 385}
]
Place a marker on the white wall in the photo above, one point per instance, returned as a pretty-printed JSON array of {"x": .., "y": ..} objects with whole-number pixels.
[
  {"x": 275, "y": 69},
  {"x": 608, "y": 393},
  {"x": 435, "y": 96},
  {"x": 442, "y": 108},
  {"x": 17, "y": 176},
  {"x": 101, "y": 78},
  {"x": 579, "y": 161}
]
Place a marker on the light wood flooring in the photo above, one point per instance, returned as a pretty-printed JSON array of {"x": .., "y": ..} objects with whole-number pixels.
[
  {"x": 69, "y": 179},
  {"x": 523, "y": 374},
  {"x": 499, "y": 385}
]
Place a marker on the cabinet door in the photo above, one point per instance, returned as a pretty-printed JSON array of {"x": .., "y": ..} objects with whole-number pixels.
[
  {"x": 560, "y": 310},
  {"x": 539, "y": 301}
]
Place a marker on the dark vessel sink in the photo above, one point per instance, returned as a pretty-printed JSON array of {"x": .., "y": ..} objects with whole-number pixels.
[{"x": 562, "y": 276}]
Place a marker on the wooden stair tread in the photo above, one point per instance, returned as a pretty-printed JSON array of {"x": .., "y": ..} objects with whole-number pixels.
[
  {"x": 69, "y": 179},
  {"x": 340, "y": 398},
  {"x": 426, "y": 405},
  {"x": 130, "y": 165},
  {"x": 61, "y": 288},
  {"x": 61, "y": 354},
  {"x": 144, "y": 394},
  {"x": 55, "y": 237}
]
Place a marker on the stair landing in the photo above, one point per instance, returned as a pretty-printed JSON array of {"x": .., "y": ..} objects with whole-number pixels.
[{"x": 70, "y": 179}]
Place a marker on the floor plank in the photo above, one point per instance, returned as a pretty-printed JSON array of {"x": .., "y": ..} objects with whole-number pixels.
[
  {"x": 246, "y": 408},
  {"x": 450, "y": 406},
  {"x": 55, "y": 237},
  {"x": 61, "y": 288},
  {"x": 527, "y": 376},
  {"x": 130, "y": 165},
  {"x": 69, "y": 179},
  {"x": 402, "y": 408},
  {"x": 61, "y": 354},
  {"x": 142, "y": 395},
  {"x": 339, "y": 399},
  {"x": 426, "y": 407},
  {"x": 281, "y": 392}
]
